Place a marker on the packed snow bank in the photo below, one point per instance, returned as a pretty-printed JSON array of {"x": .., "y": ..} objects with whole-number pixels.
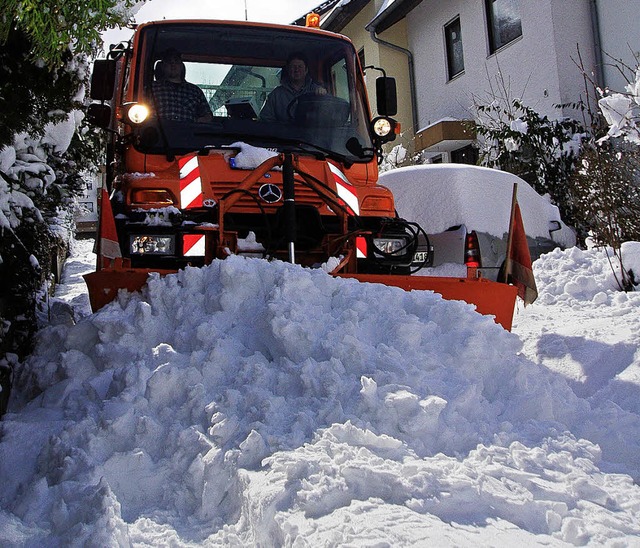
[
  {"x": 255, "y": 403},
  {"x": 440, "y": 196},
  {"x": 582, "y": 275}
]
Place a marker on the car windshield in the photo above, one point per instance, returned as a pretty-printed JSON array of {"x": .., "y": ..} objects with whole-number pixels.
[{"x": 236, "y": 68}]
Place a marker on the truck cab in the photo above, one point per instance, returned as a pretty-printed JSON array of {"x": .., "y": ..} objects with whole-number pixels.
[{"x": 236, "y": 66}]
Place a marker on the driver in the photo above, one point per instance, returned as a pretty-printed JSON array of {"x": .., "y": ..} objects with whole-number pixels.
[{"x": 295, "y": 82}]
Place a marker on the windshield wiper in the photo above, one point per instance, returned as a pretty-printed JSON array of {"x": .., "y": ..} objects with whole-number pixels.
[
  {"x": 323, "y": 152},
  {"x": 267, "y": 139}
]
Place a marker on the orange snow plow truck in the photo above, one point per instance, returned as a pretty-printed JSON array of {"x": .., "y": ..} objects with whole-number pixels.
[{"x": 205, "y": 160}]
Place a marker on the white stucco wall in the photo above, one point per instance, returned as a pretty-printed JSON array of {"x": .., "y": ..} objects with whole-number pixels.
[
  {"x": 537, "y": 67},
  {"x": 620, "y": 37}
]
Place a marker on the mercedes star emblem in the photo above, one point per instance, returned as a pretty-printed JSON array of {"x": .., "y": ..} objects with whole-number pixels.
[{"x": 270, "y": 193}]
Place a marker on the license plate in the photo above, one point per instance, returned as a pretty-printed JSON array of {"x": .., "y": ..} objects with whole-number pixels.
[{"x": 420, "y": 257}]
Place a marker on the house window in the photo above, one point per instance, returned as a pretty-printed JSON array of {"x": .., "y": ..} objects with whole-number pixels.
[
  {"x": 465, "y": 155},
  {"x": 503, "y": 20},
  {"x": 453, "y": 40}
]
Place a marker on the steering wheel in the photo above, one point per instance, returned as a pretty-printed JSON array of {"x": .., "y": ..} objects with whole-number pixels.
[
  {"x": 311, "y": 109},
  {"x": 299, "y": 99}
]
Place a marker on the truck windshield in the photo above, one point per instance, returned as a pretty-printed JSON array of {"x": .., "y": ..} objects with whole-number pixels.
[{"x": 214, "y": 84}]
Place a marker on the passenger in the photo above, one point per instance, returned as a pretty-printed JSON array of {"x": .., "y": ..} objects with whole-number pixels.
[
  {"x": 174, "y": 97},
  {"x": 295, "y": 81}
]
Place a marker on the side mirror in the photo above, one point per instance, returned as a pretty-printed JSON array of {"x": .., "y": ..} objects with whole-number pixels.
[
  {"x": 554, "y": 226},
  {"x": 386, "y": 96},
  {"x": 103, "y": 79},
  {"x": 99, "y": 115}
]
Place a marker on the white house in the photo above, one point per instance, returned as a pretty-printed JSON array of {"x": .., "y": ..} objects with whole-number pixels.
[{"x": 448, "y": 54}]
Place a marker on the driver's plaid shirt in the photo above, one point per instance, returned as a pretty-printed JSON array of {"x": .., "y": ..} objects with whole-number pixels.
[{"x": 183, "y": 102}]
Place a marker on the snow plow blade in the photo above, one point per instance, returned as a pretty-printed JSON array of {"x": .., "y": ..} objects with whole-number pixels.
[
  {"x": 103, "y": 285},
  {"x": 490, "y": 298}
]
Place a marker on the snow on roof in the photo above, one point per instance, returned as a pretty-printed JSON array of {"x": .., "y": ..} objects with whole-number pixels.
[
  {"x": 439, "y": 196},
  {"x": 385, "y": 5},
  {"x": 445, "y": 119}
]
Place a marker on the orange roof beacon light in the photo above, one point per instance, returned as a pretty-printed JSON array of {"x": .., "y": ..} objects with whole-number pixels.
[{"x": 312, "y": 20}]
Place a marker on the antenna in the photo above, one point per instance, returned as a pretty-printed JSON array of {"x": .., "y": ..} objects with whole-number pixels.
[{"x": 246, "y": 17}]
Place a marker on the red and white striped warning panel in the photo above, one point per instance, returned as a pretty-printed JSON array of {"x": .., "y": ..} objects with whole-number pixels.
[
  {"x": 190, "y": 182},
  {"x": 193, "y": 245},
  {"x": 346, "y": 191},
  {"x": 361, "y": 247}
]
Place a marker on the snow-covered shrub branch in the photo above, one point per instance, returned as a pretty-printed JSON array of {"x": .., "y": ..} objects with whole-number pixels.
[
  {"x": 605, "y": 187},
  {"x": 622, "y": 111},
  {"x": 394, "y": 158},
  {"x": 606, "y": 193}
]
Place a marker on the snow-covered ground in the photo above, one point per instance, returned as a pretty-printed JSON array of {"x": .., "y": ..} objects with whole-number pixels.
[{"x": 254, "y": 403}]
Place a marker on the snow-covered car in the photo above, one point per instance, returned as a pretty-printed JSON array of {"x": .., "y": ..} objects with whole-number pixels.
[{"x": 465, "y": 210}]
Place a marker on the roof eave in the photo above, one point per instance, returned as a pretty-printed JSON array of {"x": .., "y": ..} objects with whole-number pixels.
[
  {"x": 342, "y": 15},
  {"x": 389, "y": 17}
]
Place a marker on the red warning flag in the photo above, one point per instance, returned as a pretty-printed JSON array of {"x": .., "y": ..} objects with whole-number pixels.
[
  {"x": 109, "y": 248},
  {"x": 519, "y": 269}
]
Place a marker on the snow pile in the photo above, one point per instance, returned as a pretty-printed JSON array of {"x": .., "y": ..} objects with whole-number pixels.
[
  {"x": 255, "y": 403},
  {"x": 440, "y": 196},
  {"x": 584, "y": 275}
]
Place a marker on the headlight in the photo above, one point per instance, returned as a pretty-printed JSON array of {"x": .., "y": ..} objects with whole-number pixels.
[
  {"x": 137, "y": 113},
  {"x": 384, "y": 128},
  {"x": 152, "y": 244},
  {"x": 391, "y": 246}
]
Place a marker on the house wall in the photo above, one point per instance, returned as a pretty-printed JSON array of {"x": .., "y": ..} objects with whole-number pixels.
[
  {"x": 393, "y": 62},
  {"x": 620, "y": 38},
  {"x": 537, "y": 66}
]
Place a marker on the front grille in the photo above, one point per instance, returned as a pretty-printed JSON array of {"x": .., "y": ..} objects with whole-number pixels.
[{"x": 303, "y": 195}]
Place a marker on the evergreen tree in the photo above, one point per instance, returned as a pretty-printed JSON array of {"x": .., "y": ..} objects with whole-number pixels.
[
  {"x": 44, "y": 50},
  {"x": 44, "y": 46},
  {"x": 34, "y": 94},
  {"x": 53, "y": 27}
]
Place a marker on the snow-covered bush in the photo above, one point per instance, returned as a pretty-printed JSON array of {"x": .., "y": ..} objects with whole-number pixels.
[
  {"x": 394, "y": 158},
  {"x": 606, "y": 188},
  {"x": 606, "y": 193},
  {"x": 621, "y": 110},
  {"x": 544, "y": 152}
]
